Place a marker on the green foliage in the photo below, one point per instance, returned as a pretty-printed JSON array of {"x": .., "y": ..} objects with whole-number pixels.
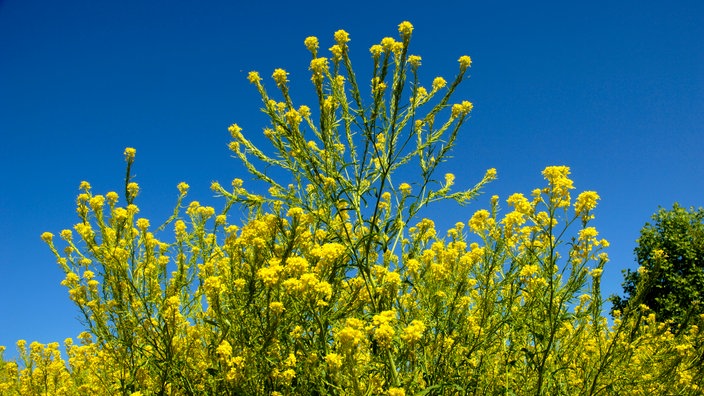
[{"x": 670, "y": 280}]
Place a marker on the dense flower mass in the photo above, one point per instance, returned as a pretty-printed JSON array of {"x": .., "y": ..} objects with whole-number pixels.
[{"x": 333, "y": 285}]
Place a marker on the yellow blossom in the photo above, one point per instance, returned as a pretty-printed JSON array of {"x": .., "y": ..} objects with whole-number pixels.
[
  {"x": 438, "y": 83},
  {"x": 112, "y": 198},
  {"x": 396, "y": 392},
  {"x": 588, "y": 233},
  {"x": 520, "y": 203},
  {"x": 47, "y": 237},
  {"x": 304, "y": 111},
  {"x": 253, "y": 77},
  {"x": 276, "y": 307},
  {"x": 333, "y": 360},
  {"x": 66, "y": 235},
  {"x": 529, "y": 270},
  {"x": 318, "y": 66},
  {"x": 133, "y": 189},
  {"x": 337, "y": 51},
  {"x": 388, "y": 44},
  {"x": 413, "y": 332},
  {"x": 479, "y": 221},
  {"x": 586, "y": 202},
  {"x": 405, "y": 188},
  {"x": 143, "y": 224},
  {"x": 224, "y": 350},
  {"x": 560, "y": 184},
  {"x": 130, "y": 153},
  {"x": 414, "y": 60},
  {"x": 405, "y": 28},
  {"x": 269, "y": 275},
  {"x": 311, "y": 44},
  {"x": 342, "y": 37},
  {"x": 183, "y": 187},
  {"x": 280, "y": 76},
  {"x": 465, "y": 61}
]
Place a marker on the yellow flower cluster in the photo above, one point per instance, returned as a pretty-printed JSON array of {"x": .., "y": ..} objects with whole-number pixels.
[
  {"x": 265, "y": 282},
  {"x": 325, "y": 289},
  {"x": 560, "y": 184}
]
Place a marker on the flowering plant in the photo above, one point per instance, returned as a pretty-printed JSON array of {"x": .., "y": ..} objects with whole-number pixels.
[{"x": 332, "y": 285}]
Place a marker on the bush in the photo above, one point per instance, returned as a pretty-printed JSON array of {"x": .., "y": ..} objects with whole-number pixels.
[{"x": 670, "y": 280}]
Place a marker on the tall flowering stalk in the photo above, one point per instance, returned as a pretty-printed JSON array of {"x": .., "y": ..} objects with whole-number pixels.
[{"x": 344, "y": 167}]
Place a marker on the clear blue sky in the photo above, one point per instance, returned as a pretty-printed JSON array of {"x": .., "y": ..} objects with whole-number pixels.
[{"x": 613, "y": 89}]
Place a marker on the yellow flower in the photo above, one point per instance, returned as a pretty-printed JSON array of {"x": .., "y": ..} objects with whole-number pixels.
[
  {"x": 253, "y": 77},
  {"x": 560, "y": 184},
  {"x": 304, "y": 111},
  {"x": 143, "y": 224},
  {"x": 419, "y": 123},
  {"x": 337, "y": 51},
  {"x": 456, "y": 110},
  {"x": 414, "y": 61},
  {"x": 342, "y": 37},
  {"x": 288, "y": 375},
  {"x": 279, "y": 76},
  {"x": 586, "y": 201},
  {"x": 405, "y": 28},
  {"x": 479, "y": 221},
  {"x": 130, "y": 153},
  {"x": 329, "y": 252},
  {"x": 318, "y": 66},
  {"x": 383, "y": 335},
  {"x": 520, "y": 203},
  {"x": 180, "y": 229},
  {"x": 396, "y": 392},
  {"x": 529, "y": 270},
  {"x": 325, "y": 289},
  {"x": 376, "y": 50},
  {"x": 465, "y": 61},
  {"x": 97, "y": 202},
  {"x": 224, "y": 350},
  {"x": 269, "y": 275},
  {"x": 183, "y": 187},
  {"x": 293, "y": 117},
  {"x": 112, "y": 198},
  {"x": 438, "y": 83},
  {"x": 47, "y": 237},
  {"x": 405, "y": 188},
  {"x": 133, "y": 189},
  {"x": 66, "y": 235},
  {"x": 333, "y": 360},
  {"x": 388, "y": 44},
  {"x": 588, "y": 233},
  {"x": 312, "y": 44},
  {"x": 490, "y": 174},
  {"x": 461, "y": 109},
  {"x": 276, "y": 307},
  {"x": 351, "y": 335},
  {"x": 413, "y": 332},
  {"x": 235, "y": 130}
]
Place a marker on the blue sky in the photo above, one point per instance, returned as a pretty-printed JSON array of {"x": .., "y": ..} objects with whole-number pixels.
[{"x": 615, "y": 90}]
